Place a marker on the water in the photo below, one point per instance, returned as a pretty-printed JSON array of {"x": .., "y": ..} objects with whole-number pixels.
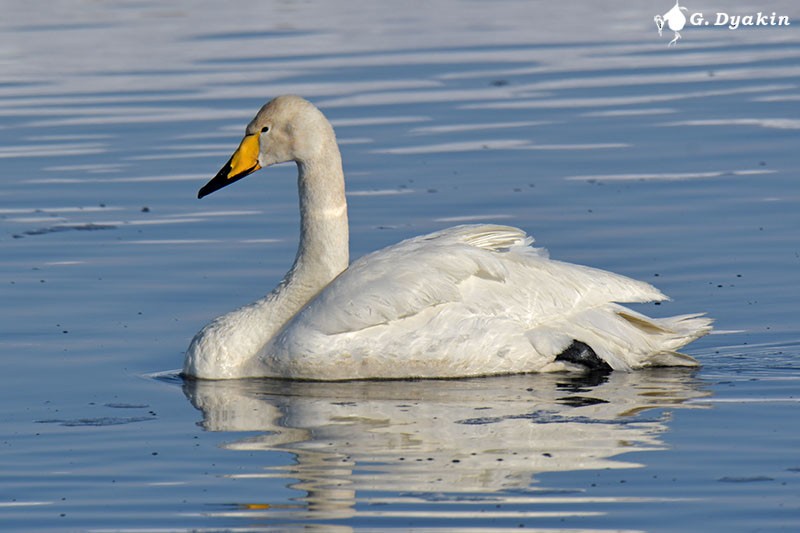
[{"x": 677, "y": 166}]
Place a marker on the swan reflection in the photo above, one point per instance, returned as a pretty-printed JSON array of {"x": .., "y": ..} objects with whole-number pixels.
[{"x": 427, "y": 439}]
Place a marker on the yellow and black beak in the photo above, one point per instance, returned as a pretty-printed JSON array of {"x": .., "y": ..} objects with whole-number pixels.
[{"x": 243, "y": 162}]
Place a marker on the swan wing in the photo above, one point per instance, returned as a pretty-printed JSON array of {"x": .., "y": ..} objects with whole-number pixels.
[
  {"x": 491, "y": 269},
  {"x": 457, "y": 295}
]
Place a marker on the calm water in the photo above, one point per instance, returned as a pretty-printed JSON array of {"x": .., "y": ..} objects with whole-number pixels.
[{"x": 676, "y": 165}]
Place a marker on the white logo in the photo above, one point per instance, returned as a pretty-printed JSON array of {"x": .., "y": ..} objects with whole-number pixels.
[{"x": 675, "y": 19}]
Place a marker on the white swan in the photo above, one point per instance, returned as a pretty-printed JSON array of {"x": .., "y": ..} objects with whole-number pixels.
[{"x": 466, "y": 301}]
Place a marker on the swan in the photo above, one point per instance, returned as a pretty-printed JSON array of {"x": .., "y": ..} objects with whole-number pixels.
[{"x": 471, "y": 300}]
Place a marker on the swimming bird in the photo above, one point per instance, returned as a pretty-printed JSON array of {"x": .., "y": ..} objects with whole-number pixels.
[{"x": 471, "y": 300}]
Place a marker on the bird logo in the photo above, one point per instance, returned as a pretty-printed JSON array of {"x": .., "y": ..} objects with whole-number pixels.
[{"x": 675, "y": 20}]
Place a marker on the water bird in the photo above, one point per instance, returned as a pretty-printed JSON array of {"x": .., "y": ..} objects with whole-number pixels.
[{"x": 471, "y": 300}]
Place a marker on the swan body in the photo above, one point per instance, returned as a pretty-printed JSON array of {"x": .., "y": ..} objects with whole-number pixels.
[{"x": 470, "y": 300}]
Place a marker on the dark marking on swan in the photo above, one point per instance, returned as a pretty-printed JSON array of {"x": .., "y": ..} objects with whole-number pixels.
[{"x": 580, "y": 353}]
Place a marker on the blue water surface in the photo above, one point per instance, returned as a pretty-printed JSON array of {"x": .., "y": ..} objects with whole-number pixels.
[{"x": 675, "y": 165}]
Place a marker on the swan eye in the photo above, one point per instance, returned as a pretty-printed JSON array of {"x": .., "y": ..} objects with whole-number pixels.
[{"x": 265, "y": 129}]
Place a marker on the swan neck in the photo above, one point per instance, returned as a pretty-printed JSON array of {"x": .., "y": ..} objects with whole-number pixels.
[{"x": 323, "y": 252}]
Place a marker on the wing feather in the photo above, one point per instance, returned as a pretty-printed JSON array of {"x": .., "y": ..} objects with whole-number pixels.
[{"x": 454, "y": 266}]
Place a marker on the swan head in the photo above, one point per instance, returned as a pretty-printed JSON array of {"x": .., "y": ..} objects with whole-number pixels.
[{"x": 288, "y": 128}]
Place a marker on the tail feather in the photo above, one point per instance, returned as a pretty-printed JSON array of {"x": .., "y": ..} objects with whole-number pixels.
[
  {"x": 628, "y": 340},
  {"x": 672, "y": 359}
]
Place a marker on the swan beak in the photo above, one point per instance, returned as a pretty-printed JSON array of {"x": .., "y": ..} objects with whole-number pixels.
[{"x": 243, "y": 162}]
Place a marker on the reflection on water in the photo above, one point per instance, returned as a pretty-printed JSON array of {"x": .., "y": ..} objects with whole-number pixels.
[{"x": 431, "y": 441}]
